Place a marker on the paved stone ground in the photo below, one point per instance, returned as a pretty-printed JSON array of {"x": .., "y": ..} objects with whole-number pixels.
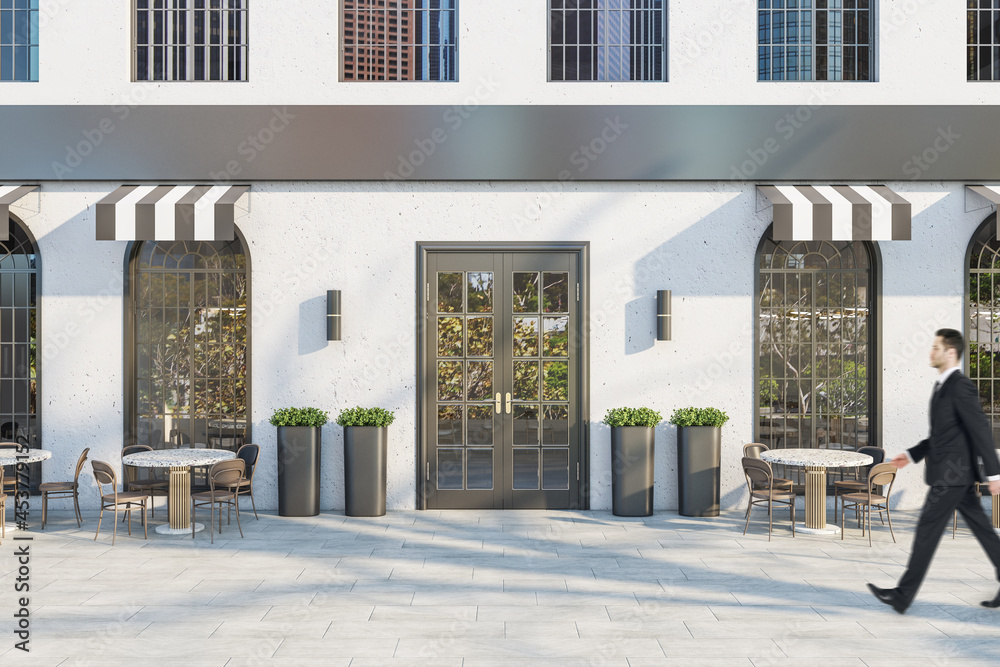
[{"x": 477, "y": 589}]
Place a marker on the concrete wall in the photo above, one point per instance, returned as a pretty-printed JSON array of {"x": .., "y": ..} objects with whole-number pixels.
[
  {"x": 697, "y": 239},
  {"x": 294, "y": 48}
]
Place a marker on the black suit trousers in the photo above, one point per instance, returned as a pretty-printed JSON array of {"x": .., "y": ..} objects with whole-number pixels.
[{"x": 939, "y": 506}]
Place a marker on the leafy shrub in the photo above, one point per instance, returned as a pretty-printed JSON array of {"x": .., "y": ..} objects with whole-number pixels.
[
  {"x": 365, "y": 417},
  {"x": 698, "y": 417},
  {"x": 299, "y": 417},
  {"x": 632, "y": 417}
]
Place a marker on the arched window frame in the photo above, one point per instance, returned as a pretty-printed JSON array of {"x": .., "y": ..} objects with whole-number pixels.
[
  {"x": 874, "y": 377},
  {"x": 35, "y": 432},
  {"x": 986, "y": 230},
  {"x": 129, "y": 416}
]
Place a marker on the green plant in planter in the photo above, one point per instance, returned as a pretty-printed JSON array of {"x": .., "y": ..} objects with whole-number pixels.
[
  {"x": 299, "y": 417},
  {"x": 365, "y": 417},
  {"x": 632, "y": 417},
  {"x": 698, "y": 417}
]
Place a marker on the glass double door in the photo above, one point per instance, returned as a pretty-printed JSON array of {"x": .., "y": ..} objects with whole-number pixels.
[{"x": 501, "y": 397}]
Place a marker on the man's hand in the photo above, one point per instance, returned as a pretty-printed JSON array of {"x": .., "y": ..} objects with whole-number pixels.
[
  {"x": 899, "y": 461},
  {"x": 995, "y": 487}
]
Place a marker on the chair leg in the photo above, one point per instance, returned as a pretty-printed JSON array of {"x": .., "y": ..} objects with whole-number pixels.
[
  {"x": 954, "y": 525},
  {"x": 76, "y": 509},
  {"x": 254, "y": 505},
  {"x": 45, "y": 499},
  {"x": 193, "y": 506},
  {"x": 889, "y": 517},
  {"x": 115, "y": 533},
  {"x": 101, "y": 516},
  {"x": 238, "y": 516},
  {"x": 769, "y": 520},
  {"x": 747, "y": 525},
  {"x": 145, "y": 525}
]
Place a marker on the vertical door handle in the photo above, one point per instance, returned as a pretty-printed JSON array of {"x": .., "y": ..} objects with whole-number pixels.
[
  {"x": 508, "y": 402},
  {"x": 498, "y": 402}
]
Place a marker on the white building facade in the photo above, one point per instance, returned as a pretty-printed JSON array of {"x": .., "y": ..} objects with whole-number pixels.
[{"x": 564, "y": 205}]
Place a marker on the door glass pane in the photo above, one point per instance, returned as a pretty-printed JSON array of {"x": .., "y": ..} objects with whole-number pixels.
[
  {"x": 449, "y": 336},
  {"x": 480, "y": 336},
  {"x": 480, "y": 380},
  {"x": 525, "y": 425},
  {"x": 556, "y": 338},
  {"x": 525, "y": 468},
  {"x": 449, "y": 292},
  {"x": 556, "y": 292},
  {"x": 480, "y": 424},
  {"x": 525, "y": 380},
  {"x": 555, "y": 469},
  {"x": 449, "y": 468},
  {"x": 449, "y": 424},
  {"x": 525, "y": 337},
  {"x": 480, "y": 473},
  {"x": 555, "y": 381},
  {"x": 555, "y": 426},
  {"x": 525, "y": 292},
  {"x": 480, "y": 292},
  {"x": 449, "y": 381}
]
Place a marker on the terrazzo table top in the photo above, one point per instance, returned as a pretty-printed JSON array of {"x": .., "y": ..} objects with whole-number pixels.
[
  {"x": 177, "y": 458},
  {"x": 823, "y": 458},
  {"x": 9, "y": 457}
]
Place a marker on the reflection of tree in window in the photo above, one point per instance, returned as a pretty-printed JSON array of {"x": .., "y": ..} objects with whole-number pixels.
[{"x": 983, "y": 319}]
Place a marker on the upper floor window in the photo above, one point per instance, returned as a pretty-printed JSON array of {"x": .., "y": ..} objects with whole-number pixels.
[
  {"x": 190, "y": 40},
  {"x": 983, "y": 30},
  {"x": 607, "y": 40},
  {"x": 815, "y": 40},
  {"x": 399, "y": 40},
  {"x": 18, "y": 40}
]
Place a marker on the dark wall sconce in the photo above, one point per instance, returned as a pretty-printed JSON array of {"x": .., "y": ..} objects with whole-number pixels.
[
  {"x": 663, "y": 314},
  {"x": 333, "y": 314}
]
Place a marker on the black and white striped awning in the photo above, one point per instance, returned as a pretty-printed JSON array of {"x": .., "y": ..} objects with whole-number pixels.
[
  {"x": 8, "y": 195},
  {"x": 991, "y": 193},
  {"x": 169, "y": 213},
  {"x": 838, "y": 213}
]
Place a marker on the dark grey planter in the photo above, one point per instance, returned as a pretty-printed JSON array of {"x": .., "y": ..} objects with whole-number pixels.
[
  {"x": 699, "y": 451},
  {"x": 298, "y": 470},
  {"x": 364, "y": 470},
  {"x": 632, "y": 470}
]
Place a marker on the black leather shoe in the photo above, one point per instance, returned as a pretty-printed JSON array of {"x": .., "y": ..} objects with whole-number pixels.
[
  {"x": 992, "y": 604},
  {"x": 890, "y": 597}
]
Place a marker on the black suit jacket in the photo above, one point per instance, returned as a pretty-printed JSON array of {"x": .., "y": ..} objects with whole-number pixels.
[{"x": 960, "y": 434}]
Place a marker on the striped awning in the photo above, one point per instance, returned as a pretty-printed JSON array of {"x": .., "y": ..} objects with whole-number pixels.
[
  {"x": 8, "y": 195},
  {"x": 838, "y": 213},
  {"x": 169, "y": 213}
]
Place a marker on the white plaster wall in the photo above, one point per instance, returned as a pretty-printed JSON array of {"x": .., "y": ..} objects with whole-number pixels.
[
  {"x": 294, "y": 59},
  {"x": 697, "y": 239}
]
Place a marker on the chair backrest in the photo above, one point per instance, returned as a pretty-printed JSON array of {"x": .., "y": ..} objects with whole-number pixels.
[
  {"x": 249, "y": 453},
  {"x": 79, "y": 464},
  {"x": 758, "y": 472},
  {"x": 132, "y": 449},
  {"x": 104, "y": 474},
  {"x": 882, "y": 474},
  {"x": 132, "y": 472},
  {"x": 226, "y": 473},
  {"x": 9, "y": 445},
  {"x": 877, "y": 454},
  {"x": 754, "y": 449}
]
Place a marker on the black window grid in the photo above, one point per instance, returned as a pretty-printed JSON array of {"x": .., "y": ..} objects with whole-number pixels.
[{"x": 821, "y": 40}]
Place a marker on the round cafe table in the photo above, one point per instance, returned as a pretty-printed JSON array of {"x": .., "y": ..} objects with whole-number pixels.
[
  {"x": 816, "y": 461},
  {"x": 179, "y": 494},
  {"x": 9, "y": 457}
]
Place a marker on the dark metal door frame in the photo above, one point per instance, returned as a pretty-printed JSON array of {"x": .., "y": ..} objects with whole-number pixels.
[{"x": 581, "y": 251}]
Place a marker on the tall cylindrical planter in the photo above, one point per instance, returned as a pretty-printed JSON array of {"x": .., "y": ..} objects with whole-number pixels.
[
  {"x": 298, "y": 470},
  {"x": 632, "y": 470},
  {"x": 699, "y": 452},
  {"x": 364, "y": 470}
]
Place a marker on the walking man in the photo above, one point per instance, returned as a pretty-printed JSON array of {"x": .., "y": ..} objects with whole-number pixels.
[{"x": 960, "y": 434}]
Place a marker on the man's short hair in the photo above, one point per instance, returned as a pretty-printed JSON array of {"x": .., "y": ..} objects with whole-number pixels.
[{"x": 953, "y": 339}]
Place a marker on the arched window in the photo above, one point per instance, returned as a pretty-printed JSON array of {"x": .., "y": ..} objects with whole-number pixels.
[
  {"x": 816, "y": 366},
  {"x": 188, "y": 330},
  {"x": 19, "y": 359},
  {"x": 983, "y": 318}
]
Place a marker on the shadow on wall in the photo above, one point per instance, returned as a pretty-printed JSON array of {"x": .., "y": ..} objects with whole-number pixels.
[{"x": 312, "y": 325}]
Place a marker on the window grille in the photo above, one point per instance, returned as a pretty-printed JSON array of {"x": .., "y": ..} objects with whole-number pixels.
[
  {"x": 607, "y": 40},
  {"x": 190, "y": 40},
  {"x": 18, "y": 40},
  {"x": 399, "y": 40},
  {"x": 983, "y": 320},
  {"x": 983, "y": 40},
  {"x": 815, "y": 40}
]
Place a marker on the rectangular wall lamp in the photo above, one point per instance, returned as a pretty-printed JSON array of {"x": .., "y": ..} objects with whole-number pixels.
[
  {"x": 663, "y": 314},
  {"x": 333, "y": 314}
]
